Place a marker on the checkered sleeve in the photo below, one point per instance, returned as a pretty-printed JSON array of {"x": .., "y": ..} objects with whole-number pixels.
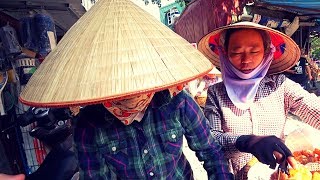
[
  {"x": 302, "y": 103},
  {"x": 202, "y": 142},
  {"x": 213, "y": 113}
]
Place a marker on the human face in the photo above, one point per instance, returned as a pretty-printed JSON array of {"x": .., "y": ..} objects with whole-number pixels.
[{"x": 245, "y": 50}]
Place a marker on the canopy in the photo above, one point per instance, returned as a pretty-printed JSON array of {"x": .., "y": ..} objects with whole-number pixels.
[{"x": 308, "y": 8}]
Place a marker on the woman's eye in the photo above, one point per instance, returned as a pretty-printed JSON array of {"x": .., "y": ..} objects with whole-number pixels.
[
  {"x": 254, "y": 52},
  {"x": 236, "y": 54}
]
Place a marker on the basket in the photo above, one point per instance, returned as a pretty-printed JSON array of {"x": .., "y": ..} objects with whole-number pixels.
[{"x": 33, "y": 148}]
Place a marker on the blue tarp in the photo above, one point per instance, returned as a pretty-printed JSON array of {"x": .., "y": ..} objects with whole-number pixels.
[
  {"x": 310, "y": 4},
  {"x": 309, "y": 8}
]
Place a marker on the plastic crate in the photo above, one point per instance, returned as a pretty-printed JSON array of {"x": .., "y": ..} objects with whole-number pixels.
[{"x": 33, "y": 148}]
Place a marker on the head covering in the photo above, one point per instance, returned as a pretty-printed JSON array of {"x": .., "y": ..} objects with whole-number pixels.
[
  {"x": 114, "y": 50},
  {"x": 128, "y": 110},
  {"x": 241, "y": 87},
  {"x": 287, "y": 52}
]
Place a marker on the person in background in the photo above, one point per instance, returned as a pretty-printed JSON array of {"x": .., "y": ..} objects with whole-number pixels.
[
  {"x": 315, "y": 72},
  {"x": 248, "y": 110},
  {"x": 198, "y": 88},
  {"x": 300, "y": 72}
]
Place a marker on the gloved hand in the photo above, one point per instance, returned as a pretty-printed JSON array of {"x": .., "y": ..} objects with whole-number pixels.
[{"x": 262, "y": 148}]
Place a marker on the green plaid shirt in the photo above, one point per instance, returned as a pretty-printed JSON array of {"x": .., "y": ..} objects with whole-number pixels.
[{"x": 150, "y": 149}]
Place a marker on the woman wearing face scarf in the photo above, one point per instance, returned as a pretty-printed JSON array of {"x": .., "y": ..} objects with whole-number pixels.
[
  {"x": 141, "y": 137},
  {"x": 126, "y": 69},
  {"x": 248, "y": 110}
]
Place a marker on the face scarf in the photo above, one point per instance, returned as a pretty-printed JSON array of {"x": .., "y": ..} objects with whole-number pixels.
[
  {"x": 176, "y": 90},
  {"x": 242, "y": 88},
  {"x": 129, "y": 109}
]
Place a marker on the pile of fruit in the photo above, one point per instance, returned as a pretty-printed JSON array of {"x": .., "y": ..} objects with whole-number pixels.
[
  {"x": 307, "y": 156},
  {"x": 302, "y": 172}
]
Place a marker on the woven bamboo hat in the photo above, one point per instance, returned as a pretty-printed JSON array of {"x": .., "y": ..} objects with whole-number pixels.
[
  {"x": 114, "y": 50},
  {"x": 286, "y": 55}
]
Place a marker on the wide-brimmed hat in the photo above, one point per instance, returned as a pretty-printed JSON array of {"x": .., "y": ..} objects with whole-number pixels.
[
  {"x": 114, "y": 50},
  {"x": 286, "y": 55}
]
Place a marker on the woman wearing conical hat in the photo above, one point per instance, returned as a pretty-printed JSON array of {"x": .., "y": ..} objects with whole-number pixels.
[
  {"x": 141, "y": 137},
  {"x": 127, "y": 70},
  {"x": 248, "y": 110}
]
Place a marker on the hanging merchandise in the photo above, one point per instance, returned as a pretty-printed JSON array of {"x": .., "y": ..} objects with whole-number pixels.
[
  {"x": 45, "y": 32},
  {"x": 9, "y": 40},
  {"x": 270, "y": 21},
  {"x": 25, "y": 67},
  {"x": 2, "y": 59},
  {"x": 27, "y": 33},
  {"x": 5, "y": 63},
  {"x": 293, "y": 27},
  {"x": 3, "y": 82}
]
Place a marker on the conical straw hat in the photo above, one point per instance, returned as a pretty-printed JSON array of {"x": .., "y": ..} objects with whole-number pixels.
[
  {"x": 286, "y": 55},
  {"x": 114, "y": 50}
]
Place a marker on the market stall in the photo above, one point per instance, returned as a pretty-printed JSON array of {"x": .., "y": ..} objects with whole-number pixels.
[{"x": 29, "y": 30}]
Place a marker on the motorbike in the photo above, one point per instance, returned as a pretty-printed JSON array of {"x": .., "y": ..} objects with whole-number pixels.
[{"x": 54, "y": 130}]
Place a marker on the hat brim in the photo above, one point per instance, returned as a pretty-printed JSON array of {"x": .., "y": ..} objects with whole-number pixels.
[
  {"x": 288, "y": 52},
  {"x": 113, "y": 51}
]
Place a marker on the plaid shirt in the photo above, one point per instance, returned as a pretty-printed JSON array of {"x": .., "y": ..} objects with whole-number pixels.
[
  {"x": 275, "y": 97},
  {"x": 150, "y": 149}
]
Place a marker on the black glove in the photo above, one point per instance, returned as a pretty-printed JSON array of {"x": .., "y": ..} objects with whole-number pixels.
[{"x": 262, "y": 148}]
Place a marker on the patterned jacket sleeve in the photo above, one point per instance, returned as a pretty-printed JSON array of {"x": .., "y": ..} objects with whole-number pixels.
[
  {"x": 202, "y": 142},
  {"x": 91, "y": 162},
  {"x": 213, "y": 113},
  {"x": 302, "y": 103}
]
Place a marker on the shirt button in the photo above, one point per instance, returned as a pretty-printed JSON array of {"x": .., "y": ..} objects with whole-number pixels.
[
  {"x": 151, "y": 174},
  {"x": 145, "y": 151},
  {"x": 173, "y": 136},
  {"x": 114, "y": 148}
]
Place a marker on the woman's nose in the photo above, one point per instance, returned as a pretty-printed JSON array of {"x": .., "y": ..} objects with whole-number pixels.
[{"x": 246, "y": 58}]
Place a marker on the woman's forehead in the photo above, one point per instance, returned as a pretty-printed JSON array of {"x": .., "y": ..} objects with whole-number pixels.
[{"x": 239, "y": 46}]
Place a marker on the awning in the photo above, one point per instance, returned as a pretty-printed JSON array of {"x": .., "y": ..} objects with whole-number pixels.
[{"x": 310, "y": 9}]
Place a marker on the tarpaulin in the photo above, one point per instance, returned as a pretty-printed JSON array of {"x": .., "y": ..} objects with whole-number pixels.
[{"x": 310, "y": 8}]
